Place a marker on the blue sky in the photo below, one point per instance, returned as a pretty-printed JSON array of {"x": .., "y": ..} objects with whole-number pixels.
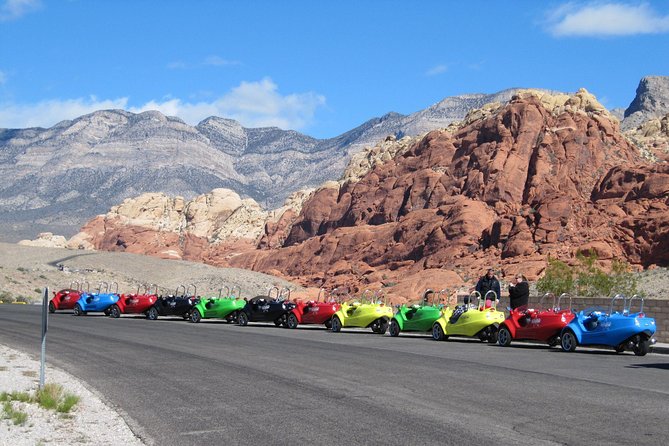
[{"x": 318, "y": 67}]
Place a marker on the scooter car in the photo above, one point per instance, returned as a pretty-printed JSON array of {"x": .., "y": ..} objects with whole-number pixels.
[
  {"x": 178, "y": 304},
  {"x": 364, "y": 313},
  {"x": 100, "y": 301},
  {"x": 539, "y": 324},
  {"x": 66, "y": 298},
  {"x": 419, "y": 316},
  {"x": 225, "y": 306},
  {"x": 472, "y": 320},
  {"x": 313, "y": 311},
  {"x": 135, "y": 303},
  {"x": 271, "y": 308},
  {"x": 621, "y": 330}
]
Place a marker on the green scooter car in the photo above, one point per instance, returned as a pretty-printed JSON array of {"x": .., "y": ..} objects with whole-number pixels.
[
  {"x": 226, "y": 306},
  {"x": 419, "y": 316}
]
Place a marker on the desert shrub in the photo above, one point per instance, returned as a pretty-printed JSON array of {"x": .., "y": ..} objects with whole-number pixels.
[
  {"x": 23, "y": 299},
  {"x": 558, "y": 278},
  {"x": 587, "y": 278},
  {"x": 6, "y": 296}
]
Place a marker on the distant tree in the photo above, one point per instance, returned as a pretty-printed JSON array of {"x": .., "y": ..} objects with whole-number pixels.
[{"x": 558, "y": 278}]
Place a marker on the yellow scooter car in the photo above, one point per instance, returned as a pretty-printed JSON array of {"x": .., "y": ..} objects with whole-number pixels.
[
  {"x": 480, "y": 319},
  {"x": 366, "y": 312}
]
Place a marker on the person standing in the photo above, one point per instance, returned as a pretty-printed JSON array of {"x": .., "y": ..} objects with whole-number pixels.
[
  {"x": 519, "y": 292},
  {"x": 488, "y": 282}
]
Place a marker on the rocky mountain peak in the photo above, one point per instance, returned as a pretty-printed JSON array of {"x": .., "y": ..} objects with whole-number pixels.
[{"x": 651, "y": 101}]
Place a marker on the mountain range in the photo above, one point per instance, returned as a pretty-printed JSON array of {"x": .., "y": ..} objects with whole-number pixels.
[{"x": 64, "y": 175}]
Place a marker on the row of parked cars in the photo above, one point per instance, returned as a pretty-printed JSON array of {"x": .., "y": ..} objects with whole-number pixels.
[{"x": 621, "y": 326}]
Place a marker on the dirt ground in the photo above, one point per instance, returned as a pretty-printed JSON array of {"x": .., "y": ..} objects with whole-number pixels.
[{"x": 26, "y": 270}]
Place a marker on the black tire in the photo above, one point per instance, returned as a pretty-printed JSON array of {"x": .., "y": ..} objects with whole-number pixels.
[
  {"x": 492, "y": 334},
  {"x": 620, "y": 348},
  {"x": 394, "y": 328},
  {"x": 107, "y": 312},
  {"x": 291, "y": 321},
  {"x": 115, "y": 311},
  {"x": 195, "y": 316},
  {"x": 568, "y": 341},
  {"x": 552, "y": 342},
  {"x": 328, "y": 324},
  {"x": 438, "y": 333},
  {"x": 278, "y": 321},
  {"x": 77, "y": 310},
  {"x": 242, "y": 319},
  {"x": 503, "y": 336},
  {"x": 52, "y": 307},
  {"x": 152, "y": 314},
  {"x": 642, "y": 347},
  {"x": 336, "y": 324}
]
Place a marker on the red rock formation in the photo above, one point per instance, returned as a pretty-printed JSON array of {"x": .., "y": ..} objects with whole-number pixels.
[{"x": 505, "y": 190}]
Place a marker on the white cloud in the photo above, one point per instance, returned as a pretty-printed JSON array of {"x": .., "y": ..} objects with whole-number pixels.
[
  {"x": 15, "y": 9},
  {"x": 48, "y": 113},
  {"x": 606, "y": 19},
  {"x": 438, "y": 69},
  {"x": 254, "y": 104}
]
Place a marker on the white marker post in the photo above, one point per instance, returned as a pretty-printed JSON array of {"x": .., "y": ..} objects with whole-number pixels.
[{"x": 45, "y": 312}]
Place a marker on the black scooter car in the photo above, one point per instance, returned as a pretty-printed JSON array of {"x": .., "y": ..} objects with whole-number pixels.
[
  {"x": 267, "y": 308},
  {"x": 174, "y": 304}
]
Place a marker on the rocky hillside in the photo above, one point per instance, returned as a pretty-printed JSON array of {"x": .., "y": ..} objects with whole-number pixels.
[
  {"x": 513, "y": 183},
  {"x": 64, "y": 175}
]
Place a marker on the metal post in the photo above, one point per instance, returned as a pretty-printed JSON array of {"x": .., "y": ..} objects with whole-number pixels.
[{"x": 45, "y": 312}]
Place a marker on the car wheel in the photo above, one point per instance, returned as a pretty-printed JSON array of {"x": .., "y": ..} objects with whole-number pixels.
[
  {"x": 620, "y": 348},
  {"x": 278, "y": 322},
  {"x": 77, "y": 310},
  {"x": 107, "y": 312},
  {"x": 328, "y": 324},
  {"x": 552, "y": 342},
  {"x": 291, "y": 322},
  {"x": 394, "y": 328},
  {"x": 642, "y": 347},
  {"x": 52, "y": 307},
  {"x": 504, "y": 336},
  {"x": 115, "y": 311},
  {"x": 152, "y": 315},
  {"x": 336, "y": 324},
  {"x": 438, "y": 333},
  {"x": 195, "y": 316},
  {"x": 242, "y": 319},
  {"x": 568, "y": 341},
  {"x": 492, "y": 334}
]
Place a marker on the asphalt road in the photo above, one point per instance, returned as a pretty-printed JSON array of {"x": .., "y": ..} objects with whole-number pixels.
[{"x": 179, "y": 383}]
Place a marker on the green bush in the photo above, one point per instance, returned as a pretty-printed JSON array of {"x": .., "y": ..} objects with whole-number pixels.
[
  {"x": 6, "y": 296},
  {"x": 587, "y": 279},
  {"x": 558, "y": 278}
]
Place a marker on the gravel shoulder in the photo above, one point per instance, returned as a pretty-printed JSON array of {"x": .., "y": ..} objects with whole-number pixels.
[
  {"x": 26, "y": 270},
  {"x": 90, "y": 422}
]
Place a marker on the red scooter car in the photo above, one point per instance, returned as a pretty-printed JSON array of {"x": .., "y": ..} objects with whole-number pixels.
[
  {"x": 66, "y": 298},
  {"x": 313, "y": 311},
  {"x": 135, "y": 303},
  {"x": 536, "y": 324}
]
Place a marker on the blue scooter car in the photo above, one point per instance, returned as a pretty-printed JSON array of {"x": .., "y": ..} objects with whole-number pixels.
[
  {"x": 621, "y": 330},
  {"x": 100, "y": 301}
]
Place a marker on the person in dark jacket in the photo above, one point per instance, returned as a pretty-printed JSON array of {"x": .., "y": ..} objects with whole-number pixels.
[
  {"x": 488, "y": 283},
  {"x": 519, "y": 293}
]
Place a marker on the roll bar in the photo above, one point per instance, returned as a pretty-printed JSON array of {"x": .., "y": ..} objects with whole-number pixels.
[
  {"x": 238, "y": 294},
  {"x": 191, "y": 285},
  {"x": 278, "y": 293},
  {"x": 176, "y": 292},
  {"x": 321, "y": 291},
  {"x": 115, "y": 287},
  {"x": 88, "y": 287},
  {"x": 72, "y": 285},
  {"x": 544, "y": 297},
  {"x": 473, "y": 295},
  {"x": 379, "y": 297},
  {"x": 363, "y": 296},
  {"x": 629, "y": 304},
  {"x": 618, "y": 297},
  {"x": 558, "y": 307},
  {"x": 426, "y": 293},
  {"x": 100, "y": 287},
  {"x": 493, "y": 301},
  {"x": 227, "y": 291},
  {"x": 284, "y": 290}
]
